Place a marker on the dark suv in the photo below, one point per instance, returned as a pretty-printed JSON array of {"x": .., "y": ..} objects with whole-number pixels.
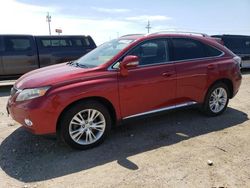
[
  {"x": 131, "y": 76},
  {"x": 240, "y": 45}
]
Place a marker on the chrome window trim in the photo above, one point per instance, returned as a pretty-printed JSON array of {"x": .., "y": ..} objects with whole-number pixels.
[
  {"x": 202, "y": 58},
  {"x": 161, "y": 109}
]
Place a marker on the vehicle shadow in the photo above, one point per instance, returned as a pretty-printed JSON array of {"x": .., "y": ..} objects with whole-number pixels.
[
  {"x": 5, "y": 91},
  {"x": 30, "y": 158}
]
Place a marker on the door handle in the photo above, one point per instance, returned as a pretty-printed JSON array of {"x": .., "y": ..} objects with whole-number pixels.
[{"x": 168, "y": 74}]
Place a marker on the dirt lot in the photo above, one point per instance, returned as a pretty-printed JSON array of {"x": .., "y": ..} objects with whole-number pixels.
[{"x": 170, "y": 150}]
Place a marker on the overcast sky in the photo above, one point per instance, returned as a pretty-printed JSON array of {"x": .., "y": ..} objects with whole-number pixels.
[{"x": 107, "y": 19}]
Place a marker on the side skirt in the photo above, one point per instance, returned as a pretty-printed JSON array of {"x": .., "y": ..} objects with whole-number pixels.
[{"x": 162, "y": 109}]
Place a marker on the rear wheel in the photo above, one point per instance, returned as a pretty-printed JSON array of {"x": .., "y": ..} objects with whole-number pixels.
[
  {"x": 85, "y": 125},
  {"x": 216, "y": 100}
]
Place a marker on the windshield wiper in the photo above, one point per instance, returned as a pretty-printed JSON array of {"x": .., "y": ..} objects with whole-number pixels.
[
  {"x": 70, "y": 63},
  {"x": 80, "y": 65},
  {"x": 76, "y": 64}
]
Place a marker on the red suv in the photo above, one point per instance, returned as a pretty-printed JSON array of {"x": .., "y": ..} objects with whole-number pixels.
[{"x": 127, "y": 77}]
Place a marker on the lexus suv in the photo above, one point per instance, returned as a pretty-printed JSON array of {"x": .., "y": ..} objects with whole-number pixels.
[{"x": 131, "y": 76}]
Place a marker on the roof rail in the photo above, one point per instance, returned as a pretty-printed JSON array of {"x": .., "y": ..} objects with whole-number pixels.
[
  {"x": 132, "y": 35},
  {"x": 180, "y": 32}
]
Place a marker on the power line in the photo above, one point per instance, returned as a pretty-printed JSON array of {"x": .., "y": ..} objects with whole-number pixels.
[{"x": 148, "y": 27}]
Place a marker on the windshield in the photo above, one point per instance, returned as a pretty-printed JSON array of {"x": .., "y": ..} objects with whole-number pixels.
[{"x": 103, "y": 53}]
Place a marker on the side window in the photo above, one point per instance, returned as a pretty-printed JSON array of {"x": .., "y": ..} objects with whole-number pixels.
[
  {"x": 1, "y": 44},
  {"x": 48, "y": 43},
  {"x": 17, "y": 44},
  {"x": 212, "y": 52},
  {"x": 86, "y": 41},
  {"x": 80, "y": 42},
  {"x": 151, "y": 52},
  {"x": 77, "y": 42},
  {"x": 185, "y": 49}
]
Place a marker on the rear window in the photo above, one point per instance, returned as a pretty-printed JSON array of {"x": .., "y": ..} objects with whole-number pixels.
[
  {"x": 56, "y": 43},
  {"x": 83, "y": 42},
  {"x": 185, "y": 49},
  {"x": 15, "y": 44},
  {"x": 238, "y": 44},
  {"x": 64, "y": 42},
  {"x": 212, "y": 52}
]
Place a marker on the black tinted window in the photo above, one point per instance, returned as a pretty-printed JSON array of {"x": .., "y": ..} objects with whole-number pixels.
[
  {"x": 47, "y": 43},
  {"x": 212, "y": 52},
  {"x": 238, "y": 44},
  {"x": 187, "y": 49},
  {"x": 1, "y": 44},
  {"x": 80, "y": 42},
  {"x": 17, "y": 44},
  {"x": 151, "y": 52},
  {"x": 64, "y": 42}
]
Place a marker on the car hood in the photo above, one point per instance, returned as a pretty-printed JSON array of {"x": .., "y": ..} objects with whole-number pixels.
[{"x": 51, "y": 75}]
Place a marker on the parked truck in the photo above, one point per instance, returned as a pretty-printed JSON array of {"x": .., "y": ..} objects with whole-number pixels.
[{"x": 22, "y": 53}]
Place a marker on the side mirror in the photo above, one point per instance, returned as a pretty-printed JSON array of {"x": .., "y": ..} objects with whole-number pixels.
[{"x": 130, "y": 61}]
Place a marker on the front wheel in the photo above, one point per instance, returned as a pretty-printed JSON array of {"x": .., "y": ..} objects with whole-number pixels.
[
  {"x": 85, "y": 125},
  {"x": 216, "y": 100}
]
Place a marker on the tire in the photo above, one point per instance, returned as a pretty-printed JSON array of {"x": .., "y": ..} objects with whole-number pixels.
[
  {"x": 85, "y": 125},
  {"x": 216, "y": 100}
]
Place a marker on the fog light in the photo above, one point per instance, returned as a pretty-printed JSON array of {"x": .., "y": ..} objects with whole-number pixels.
[{"x": 28, "y": 122}]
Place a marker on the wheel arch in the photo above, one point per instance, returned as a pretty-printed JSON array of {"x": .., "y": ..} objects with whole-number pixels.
[
  {"x": 101, "y": 100},
  {"x": 227, "y": 82}
]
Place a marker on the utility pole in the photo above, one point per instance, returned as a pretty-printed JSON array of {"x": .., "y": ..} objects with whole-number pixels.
[
  {"x": 148, "y": 27},
  {"x": 48, "y": 19}
]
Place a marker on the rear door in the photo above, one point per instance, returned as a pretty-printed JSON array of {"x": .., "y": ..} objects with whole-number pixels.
[
  {"x": 20, "y": 55},
  {"x": 196, "y": 64},
  {"x": 152, "y": 85}
]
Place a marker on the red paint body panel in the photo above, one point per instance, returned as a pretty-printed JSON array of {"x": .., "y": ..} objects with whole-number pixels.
[{"x": 144, "y": 89}]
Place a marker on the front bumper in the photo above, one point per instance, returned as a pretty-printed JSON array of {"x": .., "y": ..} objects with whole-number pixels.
[{"x": 42, "y": 117}]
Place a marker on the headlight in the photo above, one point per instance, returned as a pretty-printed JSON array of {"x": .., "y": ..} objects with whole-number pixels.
[{"x": 27, "y": 94}]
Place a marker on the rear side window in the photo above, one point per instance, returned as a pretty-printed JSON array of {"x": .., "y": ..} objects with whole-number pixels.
[
  {"x": 80, "y": 42},
  {"x": 16, "y": 44},
  {"x": 65, "y": 42},
  {"x": 152, "y": 52},
  {"x": 47, "y": 43},
  {"x": 185, "y": 49},
  {"x": 212, "y": 52}
]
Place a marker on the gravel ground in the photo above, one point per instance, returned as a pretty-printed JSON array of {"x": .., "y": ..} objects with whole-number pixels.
[{"x": 169, "y": 150}]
